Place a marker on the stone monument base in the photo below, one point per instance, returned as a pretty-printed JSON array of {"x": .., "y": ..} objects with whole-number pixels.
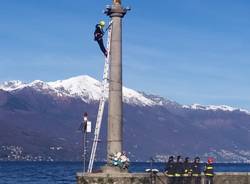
[
  {"x": 113, "y": 178},
  {"x": 112, "y": 169},
  {"x": 160, "y": 178}
]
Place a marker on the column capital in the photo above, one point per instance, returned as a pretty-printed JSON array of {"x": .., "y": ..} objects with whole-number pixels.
[{"x": 116, "y": 10}]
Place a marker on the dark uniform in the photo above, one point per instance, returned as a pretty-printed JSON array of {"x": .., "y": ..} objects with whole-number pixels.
[
  {"x": 196, "y": 171},
  {"x": 209, "y": 173},
  {"x": 98, "y": 37},
  {"x": 170, "y": 170},
  {"x": 187, "y": 171},
  {"x": 178, "y": 167}
]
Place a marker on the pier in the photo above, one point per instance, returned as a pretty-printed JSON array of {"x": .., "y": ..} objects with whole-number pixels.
[{"x": 147, "y": 178}]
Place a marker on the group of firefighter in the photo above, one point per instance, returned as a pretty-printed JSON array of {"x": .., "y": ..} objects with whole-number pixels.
[{"x": 186, "y": 172}]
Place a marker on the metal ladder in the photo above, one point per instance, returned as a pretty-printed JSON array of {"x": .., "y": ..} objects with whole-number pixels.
[{"x": 104, "y": 93}]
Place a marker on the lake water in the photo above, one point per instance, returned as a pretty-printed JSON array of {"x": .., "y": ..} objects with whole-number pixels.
[{"x": 65, "y": 172}]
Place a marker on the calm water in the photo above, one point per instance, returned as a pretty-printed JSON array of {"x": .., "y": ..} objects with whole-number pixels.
[{"x": 64, "y": 172}]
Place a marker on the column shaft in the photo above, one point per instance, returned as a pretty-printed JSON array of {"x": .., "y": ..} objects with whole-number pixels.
[{"x": 115, "y": 114}]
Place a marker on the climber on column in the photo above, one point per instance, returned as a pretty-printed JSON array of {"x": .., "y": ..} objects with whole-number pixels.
[{"x": 99, "y": 36}]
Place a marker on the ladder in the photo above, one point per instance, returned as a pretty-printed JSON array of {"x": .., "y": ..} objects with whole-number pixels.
[{"x": 104, "y": 93}]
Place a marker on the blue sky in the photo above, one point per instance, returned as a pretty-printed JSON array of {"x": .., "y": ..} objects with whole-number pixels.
[{"x": 189, "y": 51}]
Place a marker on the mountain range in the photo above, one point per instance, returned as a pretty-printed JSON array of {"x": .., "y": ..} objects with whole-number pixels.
[{"x": 40, "y": 121}]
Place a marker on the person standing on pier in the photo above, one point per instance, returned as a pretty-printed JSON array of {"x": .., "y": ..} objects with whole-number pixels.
[
  {"x": 209, "y": 171},
  {"x": 196, "y": 171},
  {"x": 178, "y": 179},
  {"x": 187, "y": 171},
  {"x": 169, "y": 170}
]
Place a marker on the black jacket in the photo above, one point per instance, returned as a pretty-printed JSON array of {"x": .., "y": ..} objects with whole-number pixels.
[
  {"x": 179, "y": 169},
  {"x": 209, "y": 170},
  {"x": 187, "y": 168},
  {"x": 98, "y": 34},
  {"x": 170, "y": 168},
  {"x": 196, "y": 169}
]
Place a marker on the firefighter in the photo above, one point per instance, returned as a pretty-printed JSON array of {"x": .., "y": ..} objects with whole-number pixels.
[
  {"x": 209, "y": 171},
  {"x": 187, "y": 171},
  {"x": 196, "y": 171},
  {"x": 98, "y": 34},
  {"x": 178, "y": 179},
  {"x": 169, "y": 170}
]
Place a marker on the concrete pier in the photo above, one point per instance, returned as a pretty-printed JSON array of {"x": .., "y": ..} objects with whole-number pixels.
[{"x": 146, "y": 178}]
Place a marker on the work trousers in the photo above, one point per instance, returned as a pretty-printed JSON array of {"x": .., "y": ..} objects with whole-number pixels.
[
  {"x": 197, "y": 179},
  {"x": 102, "y": 47},
  {"x": 209, "y": 180},
  {"x": 178, "y": 180},
  {"x": 170, "y": 180},
  {"x": 187, "y": 180}
]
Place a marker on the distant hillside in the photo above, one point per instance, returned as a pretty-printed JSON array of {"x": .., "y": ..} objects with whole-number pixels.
[{"x": 39, "y": 121}]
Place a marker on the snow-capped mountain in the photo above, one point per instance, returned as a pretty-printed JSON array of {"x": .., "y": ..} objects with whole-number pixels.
[
  {"x": 12, "y": 85},
  {"x": 44, "y": 117},
  {"x": 214, "y": 108},
  {"x": 84, "y": 87},
  {"x": 89, "y": 90}
]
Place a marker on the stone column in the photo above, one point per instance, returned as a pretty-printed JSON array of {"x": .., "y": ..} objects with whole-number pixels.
[{"x": 115, "y": 110}]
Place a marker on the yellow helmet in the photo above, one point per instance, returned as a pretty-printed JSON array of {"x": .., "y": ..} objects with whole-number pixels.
[{"x": 102, "y": 23}]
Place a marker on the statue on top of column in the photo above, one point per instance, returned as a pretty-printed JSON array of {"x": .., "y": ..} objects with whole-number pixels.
[{"x": 117, "y": 1}]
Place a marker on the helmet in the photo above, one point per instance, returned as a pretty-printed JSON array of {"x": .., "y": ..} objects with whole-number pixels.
[
  {"x": 210, "y": 160},
  {"x": 171, "y": 158},
  {"x": 178, "y": 158},
  {"x": 102, "y": 23},
  {"x": 197, "y": 159}
]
